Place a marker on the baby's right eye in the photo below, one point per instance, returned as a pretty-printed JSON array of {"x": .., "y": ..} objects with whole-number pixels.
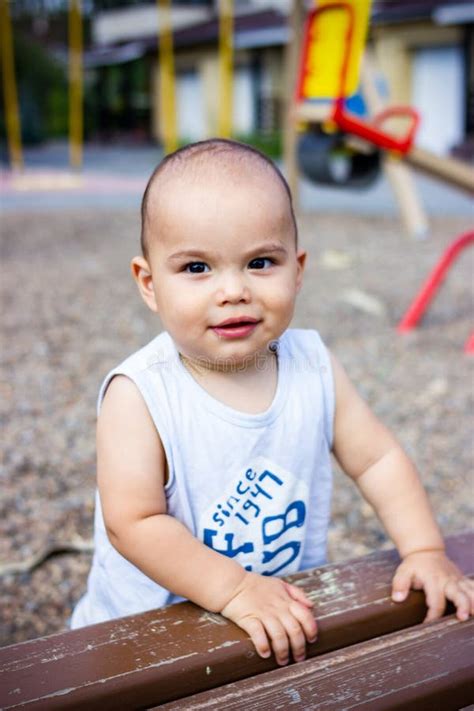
[{"x": 196, "y": 268}]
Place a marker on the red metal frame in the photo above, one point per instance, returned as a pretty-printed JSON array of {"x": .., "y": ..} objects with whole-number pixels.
[
  {"x": 299, "y": 96},
  {"x": 469, "y": 345},
  {"x": 369, "y": 131},
  {"x": 429, "y": 289}
]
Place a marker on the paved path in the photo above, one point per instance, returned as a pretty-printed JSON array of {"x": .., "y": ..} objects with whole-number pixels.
[{"x": 115, "y": 178}]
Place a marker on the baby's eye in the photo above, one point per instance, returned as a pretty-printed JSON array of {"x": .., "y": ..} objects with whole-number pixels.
[
  {"x": 196, "y": 268},
  {"x": 260, "y": 263}
]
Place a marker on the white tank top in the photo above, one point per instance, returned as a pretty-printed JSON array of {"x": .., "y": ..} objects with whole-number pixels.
[{"x": 255, "y": 487}]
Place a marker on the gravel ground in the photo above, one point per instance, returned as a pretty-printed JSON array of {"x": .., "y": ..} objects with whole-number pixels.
[{"x": 71, "y": 312}]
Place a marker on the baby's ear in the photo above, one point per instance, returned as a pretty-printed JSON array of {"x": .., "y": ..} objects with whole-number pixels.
[
  {"x": 301, "y": 261},
  {"x": 142, "y": 274}
]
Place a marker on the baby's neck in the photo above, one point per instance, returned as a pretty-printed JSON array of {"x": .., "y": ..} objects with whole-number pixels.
[{"x": 248, "y": 389}]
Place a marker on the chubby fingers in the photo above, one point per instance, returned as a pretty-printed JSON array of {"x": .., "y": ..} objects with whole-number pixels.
[
  {"x": 461, "y": 594},
  {"x": 285, "y": 632},
  {"x": 401, "y": 584},
  {"x": 296, "y": 636},
  {"x": 299, "y": 626},
  {"x": 404, "y": 580},
  {"x": 256, "y": 632},
  {"x": 460, "y": 591},
  {"x": 435, "y": 601},
  {"x": 306, "y": 620},
  {"x": 271, "y": 634},
  {"x": 289, "y": 631},
  {"x": 297, "y": 594}
]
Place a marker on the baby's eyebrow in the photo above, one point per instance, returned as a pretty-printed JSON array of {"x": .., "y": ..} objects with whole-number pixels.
[
  {"x": 187, "y": 254},
  {"x": 269, "y": 248},
  {"x": 264, "y": 248}
]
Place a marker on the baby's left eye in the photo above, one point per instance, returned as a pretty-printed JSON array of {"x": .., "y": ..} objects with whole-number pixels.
[
  {"x": 260, "y": 263},
  {"x": 196, "y": 268}
]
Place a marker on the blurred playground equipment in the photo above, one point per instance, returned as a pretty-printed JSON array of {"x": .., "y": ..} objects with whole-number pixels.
[
  {"x": 329, "y": 68},
  {"x": 225, "y": 68},
  {"x": 338, "y": 88},
  {"x": 75, "y": 84},
  {"x": 333, "y": 144},
  {"x": 338, "y": 132},
  {"x": 167, "y": 79},
  {"x": 12, "y": 115},
  {"x": 428, "y": 291}
]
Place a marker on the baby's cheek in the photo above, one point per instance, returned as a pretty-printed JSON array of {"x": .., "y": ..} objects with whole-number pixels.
[{"x": 284, "y": 299}]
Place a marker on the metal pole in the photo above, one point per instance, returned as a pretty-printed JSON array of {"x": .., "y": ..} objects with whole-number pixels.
[
  {"x": 226, "y": 49},
  {"x": 168, "y": 127},
  {"x": 12, "y": 115},
  {"x": 76, "y": 109},
  {"x": 290, "y": 135}
]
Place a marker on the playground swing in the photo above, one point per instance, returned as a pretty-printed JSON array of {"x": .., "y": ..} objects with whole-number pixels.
[
  {"x": 318, "y": 146},
  {"x": 323, "y": 150},
  {"x": 328, "y": 159}
]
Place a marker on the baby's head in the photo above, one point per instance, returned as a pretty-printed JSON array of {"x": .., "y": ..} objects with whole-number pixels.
[
  {"x": 219, "y": 242},
  {"x": 224, "y": 159}
]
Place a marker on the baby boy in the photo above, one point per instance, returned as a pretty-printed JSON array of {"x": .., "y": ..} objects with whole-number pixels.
[{"x": 214, "y": 440}]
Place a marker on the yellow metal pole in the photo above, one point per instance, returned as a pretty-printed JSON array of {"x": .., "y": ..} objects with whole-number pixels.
[
  {"x": 76, "y": 108},
  {"x": 12, "y": 115},
  {"x": 167, "y": 78},
  {"x": 290, "y": 135},
  {"x": 226, "y": 29}
]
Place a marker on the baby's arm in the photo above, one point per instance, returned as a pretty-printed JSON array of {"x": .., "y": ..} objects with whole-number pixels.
[
  {"x": 388, "y": 480},
  {"x": 131, "y": 469}
]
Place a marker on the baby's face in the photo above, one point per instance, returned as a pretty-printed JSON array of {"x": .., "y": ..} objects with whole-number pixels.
[{"x": 225, "y": 268}]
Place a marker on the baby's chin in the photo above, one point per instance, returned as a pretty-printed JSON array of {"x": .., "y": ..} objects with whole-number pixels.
[{"x": 228, "y": 364}]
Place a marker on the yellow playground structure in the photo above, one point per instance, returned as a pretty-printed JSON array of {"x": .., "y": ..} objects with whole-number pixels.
[
  {"x": 328, "y": 65},
  {"x": 331, "y": 66}
]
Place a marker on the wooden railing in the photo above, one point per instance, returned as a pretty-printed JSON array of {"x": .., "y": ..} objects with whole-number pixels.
[{"x": 369, "y": 651}]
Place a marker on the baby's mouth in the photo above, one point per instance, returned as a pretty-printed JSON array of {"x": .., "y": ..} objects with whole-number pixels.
[{"x": 236, "y": 327}]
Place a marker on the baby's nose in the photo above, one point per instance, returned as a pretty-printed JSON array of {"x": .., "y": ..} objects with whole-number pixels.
[{"x": 233, "y": 289}]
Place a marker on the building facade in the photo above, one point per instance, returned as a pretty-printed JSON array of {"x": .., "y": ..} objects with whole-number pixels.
[{"x": 424, "y": 50}]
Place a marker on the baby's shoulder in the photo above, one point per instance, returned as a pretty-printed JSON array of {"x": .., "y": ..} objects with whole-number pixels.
[
  {"x": 130, "y": 377},
  {"x": 160, "y": 350},
  {"x": 122, "y": 406},
  {"x": 121, "y": 393},
  {"x": 304, "y": 343}
]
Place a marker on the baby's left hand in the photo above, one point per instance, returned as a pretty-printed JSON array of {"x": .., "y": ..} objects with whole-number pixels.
[{"x": 440, "y": 578}]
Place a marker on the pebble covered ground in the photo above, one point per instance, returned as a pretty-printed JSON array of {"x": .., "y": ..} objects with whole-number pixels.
[{"x": 70, "y": 312}]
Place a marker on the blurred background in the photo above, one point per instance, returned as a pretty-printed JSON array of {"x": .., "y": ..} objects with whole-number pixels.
[
  {"x": 424, "y": 51},
  {"x": 94, "y": 93}
]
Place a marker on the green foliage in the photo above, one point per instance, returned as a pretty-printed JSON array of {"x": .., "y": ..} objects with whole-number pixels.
[
  {"x": 269, "y": 143},
  {"x": 42, "y": 91},
  {"x": 57, "y": 112}
]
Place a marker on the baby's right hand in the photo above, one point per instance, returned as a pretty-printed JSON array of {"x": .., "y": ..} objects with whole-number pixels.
[{"x": 275, "y": 615}]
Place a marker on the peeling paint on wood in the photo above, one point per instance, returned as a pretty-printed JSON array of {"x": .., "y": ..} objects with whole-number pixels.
[
  {"x": 162, "y": 655},
  {"x": 425, "y": 668}
]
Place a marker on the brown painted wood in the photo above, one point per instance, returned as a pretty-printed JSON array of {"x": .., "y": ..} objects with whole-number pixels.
[
  {"x": 167, "y": 654},
  {"x": 425, "y": 668}
]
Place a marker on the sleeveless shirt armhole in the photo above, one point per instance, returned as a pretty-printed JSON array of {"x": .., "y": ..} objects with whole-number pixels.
[{"x": 144, "y": 392}]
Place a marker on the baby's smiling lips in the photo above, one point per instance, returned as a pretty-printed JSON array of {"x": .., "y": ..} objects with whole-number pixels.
[{"x": 238, "y": 327}]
